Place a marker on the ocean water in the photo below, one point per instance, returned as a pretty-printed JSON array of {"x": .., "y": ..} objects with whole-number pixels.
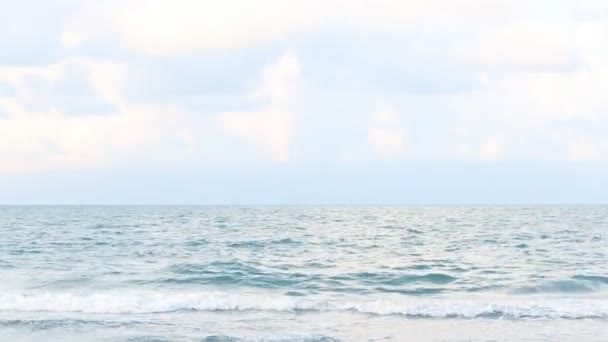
[{"x": 487, "y": 273}]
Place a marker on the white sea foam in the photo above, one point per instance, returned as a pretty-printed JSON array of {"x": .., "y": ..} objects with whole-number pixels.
[
  {"x": 550, "y": 309},
  {"x": 142, "y": 302},
  {"x": 148, "y": 302}
]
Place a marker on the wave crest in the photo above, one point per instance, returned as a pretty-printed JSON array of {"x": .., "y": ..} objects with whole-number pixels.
[
  {"x": 140, "y": 302},
  {"x": 576, "y": 284}
]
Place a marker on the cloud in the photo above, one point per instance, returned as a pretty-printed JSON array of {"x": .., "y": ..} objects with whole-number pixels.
[
  {"x": 589, "y": 9},
  {"x": 6, "y": 89},
  {"x": 30, "y": 30},
  {"x": 38, "y": 135},
  {"x": 522, "y": 46},
  {"x": 491, "y": 149},
  {"x": 158, "y": 81},
  {"x": 385, "y": 135},
  {"x": 163, "y": 28},
  {"x": 78, "y": 86},
  {"x": 71, "y": 39},
  {"x": 270, "y": 130}
]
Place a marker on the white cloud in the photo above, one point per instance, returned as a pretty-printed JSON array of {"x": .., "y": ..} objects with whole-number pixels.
[
  {"x": 522, "y": 46},
  {"x": 532, "y": 112},
  {"x": 49, "y": 138},
  {"x": 537, "y": 73},
  {"x": 520, "y": 117},
  {"x": 491, "y": 149},
  {"x": 33, "y": 140},
  {"x": 169, "y": 27},
  {"x": 385, "y": 135},
  {"x": 160, "y": 27},
  {"x": 432, "y": 15},
  {"x": 70, "y": 39},
  {"x": 270, "y": 129},
  {"x": 582, "y": 147}
]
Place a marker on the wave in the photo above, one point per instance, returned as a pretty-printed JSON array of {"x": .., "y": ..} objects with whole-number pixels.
[
  {"x": 556, "y": 309},
  {"x": 263, "y": 243},
  {"x": 150, "y": 302},
  {"x": 576, "y": 284},
  {"x": 235, "y": 273},
  {"x": 42, "y": 324},
  {"x": 396, "y": 279},
  {"x": 243, "y": 274},
  {"x": 313, "y": 338},
  {"x": 598, "y": 279}
]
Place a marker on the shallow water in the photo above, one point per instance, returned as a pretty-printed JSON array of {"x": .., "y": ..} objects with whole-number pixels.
[{"x": 304, "y": 273}]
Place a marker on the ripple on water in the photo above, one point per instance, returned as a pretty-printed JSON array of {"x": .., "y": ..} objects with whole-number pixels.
[
  {"x": 391, "y": 278},
  {"x": 219, "y": 338}
]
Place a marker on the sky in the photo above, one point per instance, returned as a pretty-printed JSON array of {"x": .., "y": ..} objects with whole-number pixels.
[{"x": 303, "y": 102}]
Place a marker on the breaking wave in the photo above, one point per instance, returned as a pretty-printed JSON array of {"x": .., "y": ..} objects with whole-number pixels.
[{"x": 150, "y": 302}]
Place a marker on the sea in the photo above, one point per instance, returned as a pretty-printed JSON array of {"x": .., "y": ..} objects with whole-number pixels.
[{"x": 303, "y": 273}]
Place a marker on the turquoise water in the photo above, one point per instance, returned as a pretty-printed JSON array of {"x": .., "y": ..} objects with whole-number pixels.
[{"x": 304, "y": 273}]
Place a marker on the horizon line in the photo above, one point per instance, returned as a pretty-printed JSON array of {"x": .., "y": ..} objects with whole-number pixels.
[{"x": 292, "y": 204}]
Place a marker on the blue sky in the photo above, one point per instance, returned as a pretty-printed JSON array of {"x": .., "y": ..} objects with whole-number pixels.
[{"x": 307, "y": 102}]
